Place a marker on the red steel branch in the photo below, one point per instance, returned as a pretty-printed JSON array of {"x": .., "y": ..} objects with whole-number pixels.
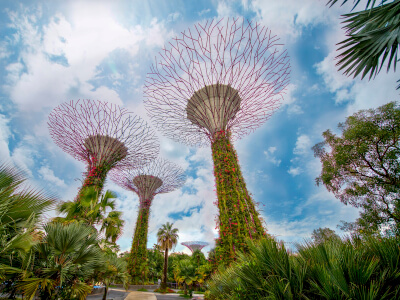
[{"x": 232, "y": 52}]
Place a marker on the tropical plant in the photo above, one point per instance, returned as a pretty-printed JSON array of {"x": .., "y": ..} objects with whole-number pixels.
[
  {"x": 155, "y": 263},
  {"x": 373, "y": 36},
  {"x": 21, "y": 208},
  {"x": 92, "y": 210},
  {"x": 167, "y": 238},
  {"x": 66, "y": 259},
  {"x": 185, "y": 272},
  {"x": 114, "y": 270},
  {"x": 362, "y": 167},
  {"x": 334, "y": 269},
  {"x": 198, "y": 258}
]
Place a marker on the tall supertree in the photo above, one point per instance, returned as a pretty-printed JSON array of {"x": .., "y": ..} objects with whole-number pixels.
[
  {"x": 211, "y": 85},
  {"x": 195, "y": 245},
  {"x": 161, "y": 176},
  {"x": 104, "y": 136}
]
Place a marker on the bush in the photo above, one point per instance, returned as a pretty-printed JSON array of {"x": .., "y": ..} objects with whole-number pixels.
[
  {"x": 334, "y": 269},
  {"x": 167, "y": 290}
]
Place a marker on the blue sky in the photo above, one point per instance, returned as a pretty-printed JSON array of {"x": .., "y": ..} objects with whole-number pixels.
[{"x": 56, "y": 51}]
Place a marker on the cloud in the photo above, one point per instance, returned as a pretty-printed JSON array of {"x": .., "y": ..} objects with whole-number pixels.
[
  {"x": 271, "y": 158},
  {"x": 204, "y": 11},
  {"x": 83, "y": 38},
  {"x": 48, "y": 175},
  {"x": 288, "y": 18},
  {"x": 303, "y": 145},
  {"x": 295, "y": 171},
  {"x": 5, "y": 135}
]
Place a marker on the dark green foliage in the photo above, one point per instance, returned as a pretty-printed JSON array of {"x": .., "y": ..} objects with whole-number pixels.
[
  {"x": 334, "y": 269},
  {"x": 362, "y": 167}
]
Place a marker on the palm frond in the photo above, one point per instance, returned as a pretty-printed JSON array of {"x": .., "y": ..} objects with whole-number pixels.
[{"x": 373, "y": 39}]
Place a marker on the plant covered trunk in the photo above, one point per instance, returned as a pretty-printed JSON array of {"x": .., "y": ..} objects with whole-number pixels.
[
  {"x": 138, "y": 255},
  {"x": 238, "y": 217},
  {"x": 95, "y": 177},
  {"x": 164, "y": 280}
]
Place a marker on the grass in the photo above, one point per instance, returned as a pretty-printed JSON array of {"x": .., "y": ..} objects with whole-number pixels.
[{"x": 142, "y": 290}]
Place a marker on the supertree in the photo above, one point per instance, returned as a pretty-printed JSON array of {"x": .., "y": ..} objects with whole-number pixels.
[
  {"x": 211, "y": 85},
  {"x": 161, "y": 176},
  {"x": 195, "y": 245},
  {"x": 104, "y": 136}
]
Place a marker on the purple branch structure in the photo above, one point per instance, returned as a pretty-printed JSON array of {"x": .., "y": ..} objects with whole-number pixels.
[
  {"x": 195, "y": 245},
  {"x": 215, "y": 83},
  {"x": 161, "y": 176},
  {"x": 104, "y": 136}
]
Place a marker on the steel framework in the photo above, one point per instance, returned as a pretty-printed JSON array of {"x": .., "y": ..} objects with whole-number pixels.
[
  {"x": 161, "y": 176},
  {"x": 213, "y": 84},
  {"x": 104, "y": 136},
  {"x": 195, "y": 245}
]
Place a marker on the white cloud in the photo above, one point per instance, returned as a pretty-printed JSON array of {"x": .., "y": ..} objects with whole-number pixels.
[
  {"x": 295, "y": 171},
  {"x": 48, "y": 175},
  {"x": 303, "y": 145},
  {"x": 271, "y": 158},
  {"x": 5, "y": 134},
  {"x": 271, "y": 150},
  {"x": 288, "y": 18},
  {"x": 84, "y": 37}
]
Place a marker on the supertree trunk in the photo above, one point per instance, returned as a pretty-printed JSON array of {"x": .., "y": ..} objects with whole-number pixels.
[
  {"x": 238, "y": 217},
  {"x": 138, "y": 256},
  {"x": 95, "y": 177}
]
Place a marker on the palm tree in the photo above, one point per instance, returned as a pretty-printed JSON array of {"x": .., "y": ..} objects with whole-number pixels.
[
  {"x": 66, "y": 259},
  {"x": 92, "y": 211},
  {"x": 115, "y": 270},
  {"x": 21, "y": 208},
  {"x": 373, "y": 34},
  {"x": 186, "y": 273},
  {"x": 167, "y": 238}
]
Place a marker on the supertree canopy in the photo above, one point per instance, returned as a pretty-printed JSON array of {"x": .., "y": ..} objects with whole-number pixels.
[
  {"x": 213, "y": 84},
  {"x": 195, "y": 245},
  {"x": 161, "y": 176},
  {"x": 102, "y": 135}
]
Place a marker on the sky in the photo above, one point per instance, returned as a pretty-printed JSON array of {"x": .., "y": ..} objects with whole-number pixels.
[{"x": 56, "y": 51}]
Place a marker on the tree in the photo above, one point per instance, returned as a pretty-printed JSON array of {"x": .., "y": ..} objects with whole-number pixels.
[
  {"x": 167, "y": 238},
  {"x": 321, "y": 235},
  {"x": 373, "y": 36},
  {"x": 362, "y": 167}
]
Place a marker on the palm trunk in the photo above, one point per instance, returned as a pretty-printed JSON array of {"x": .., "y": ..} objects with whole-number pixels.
[
  {"x": 164, "y": 281},
  {"x": 185, "y": 288},
  {"x": 105, "y": 292}
]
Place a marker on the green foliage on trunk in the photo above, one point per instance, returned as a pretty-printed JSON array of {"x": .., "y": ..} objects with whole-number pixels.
[
  {"x": 238, "y": 218},
  {"x": 137, "y": 264}
]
